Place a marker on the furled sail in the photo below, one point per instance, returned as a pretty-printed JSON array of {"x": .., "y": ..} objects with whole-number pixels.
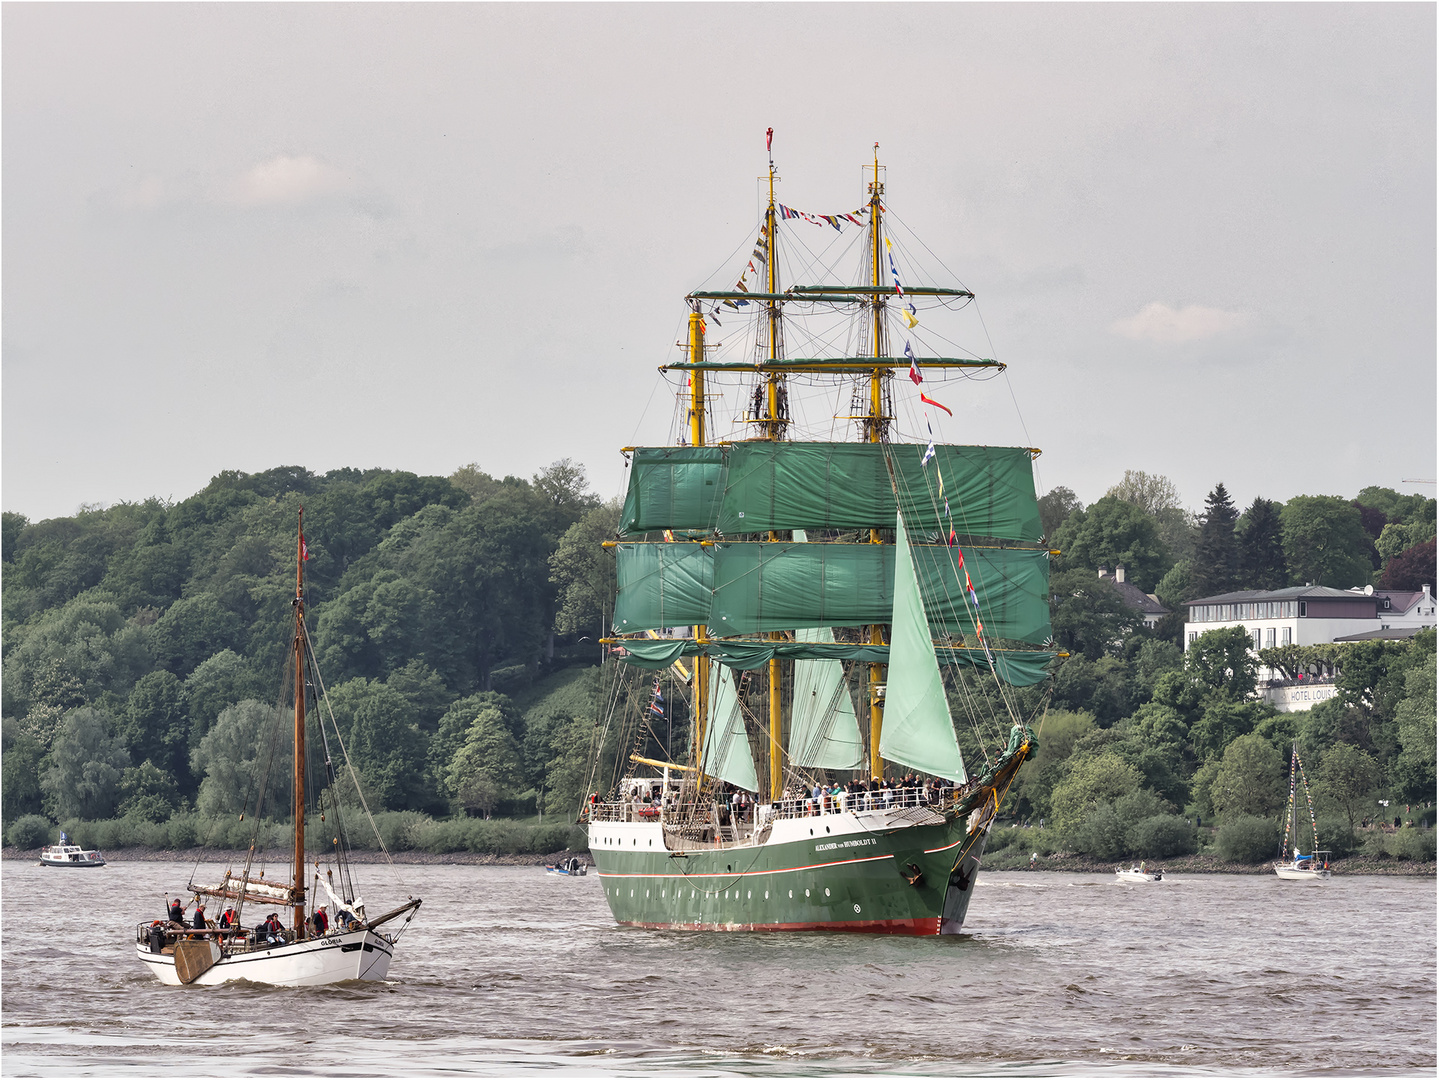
[
  {"x": 737, "y": 587},
  {"x": 917, "y": 730},
  {"x": 726, "y": 746},
  {"x": 824, "y": 732},
  {"x": 765, "y": 485}
]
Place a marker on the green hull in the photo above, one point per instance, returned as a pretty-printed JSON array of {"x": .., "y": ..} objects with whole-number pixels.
[{"x": 911, "y": 879}]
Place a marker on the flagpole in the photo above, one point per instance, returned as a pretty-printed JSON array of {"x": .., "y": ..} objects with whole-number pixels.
[{"x": 875, "y": 425}]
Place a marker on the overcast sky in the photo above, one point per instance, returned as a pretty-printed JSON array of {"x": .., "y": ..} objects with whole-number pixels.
[{"x": 243, "y": 236}]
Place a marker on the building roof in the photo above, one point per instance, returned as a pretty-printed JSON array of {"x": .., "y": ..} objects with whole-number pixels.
[
  {"x": 1393, "y": 633},
  {"x": 1400, "y": 599},
  {"x": 1135, "y": 597},
  {"x": 1297, "y": 592}
]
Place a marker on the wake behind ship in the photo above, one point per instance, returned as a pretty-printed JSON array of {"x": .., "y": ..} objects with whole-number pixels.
[{"x": 780, "y": 585}]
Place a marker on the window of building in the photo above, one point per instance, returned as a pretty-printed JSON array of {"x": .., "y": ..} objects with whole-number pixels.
[
  {"x": 1303, "y": 609},
  {"x": 1269, "y": 638},
  {"x": 1193, "y": 635},
  {"x": 1255, "y": 636},
  {"x": 1286, "y": 635}
]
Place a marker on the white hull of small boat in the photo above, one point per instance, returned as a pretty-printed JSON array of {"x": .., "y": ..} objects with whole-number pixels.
[
  {"x": 1291, "y": 872},
  {"x": 1136, "y": 875},
  {"x": 68, "y": 855},
  {"x": 358, "y": 954}
]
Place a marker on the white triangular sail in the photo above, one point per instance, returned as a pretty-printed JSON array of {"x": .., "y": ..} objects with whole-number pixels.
[
  {"x": 917, "y": 730},
  {"x": 824, "y": 731},
  {"x": 726, "y": 746}
]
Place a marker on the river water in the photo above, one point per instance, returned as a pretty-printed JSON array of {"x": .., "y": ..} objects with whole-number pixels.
[{"x": 508, "y": 970}]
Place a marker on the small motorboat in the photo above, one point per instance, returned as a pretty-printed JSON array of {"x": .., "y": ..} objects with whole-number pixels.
[
  {"x": 1137, "y": 873},
  {"x": 571, "y": 867},
  {"x": 67, "y": 854}
]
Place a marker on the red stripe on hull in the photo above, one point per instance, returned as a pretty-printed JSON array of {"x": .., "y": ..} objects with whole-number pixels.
[{"x": 928, "y": 927}]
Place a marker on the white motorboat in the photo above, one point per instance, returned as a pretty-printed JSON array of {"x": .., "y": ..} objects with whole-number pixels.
[
  {"x": 71, "y": 855},
  {"x": 1137, "y": 874}
]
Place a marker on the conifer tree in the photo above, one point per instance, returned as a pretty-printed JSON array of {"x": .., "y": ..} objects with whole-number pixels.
[
  {"x": 1261, "y": 548},
  {"x": 1216, "y": 559}
]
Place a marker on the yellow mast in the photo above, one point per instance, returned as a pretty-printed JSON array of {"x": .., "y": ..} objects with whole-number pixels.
[
  {"x": 874, "y": 429},
  {"x": 774, "y": 429},
  {"x": 697, "y": 438},
  {"x": 298, "y": 889}
]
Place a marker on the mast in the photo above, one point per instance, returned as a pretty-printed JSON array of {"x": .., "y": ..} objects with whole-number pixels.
[
  {"x": 774, "y": 429},
  {"x": 298, "y": 889},
  {"x": 875, "y": 430},
  {"x": 697, "y": 438}
]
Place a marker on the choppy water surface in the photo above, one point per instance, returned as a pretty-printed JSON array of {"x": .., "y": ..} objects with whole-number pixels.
[{"x": 507, "y": 969}]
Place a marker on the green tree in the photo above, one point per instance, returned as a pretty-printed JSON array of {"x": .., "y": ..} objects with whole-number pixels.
[
  {"x": 1219, "y": 660},
  {"x": 20, "y": 757},
  {"x": 1414, "y": 716},
  {"x": 221, "y": 681},
  {"x": 383, "y": 742},
  {"x": 584, "y": 572},
  {"x": 1261, "y": 548},
  {"x": 1215, "y": 569},
  {"x": 1250, "y": 780},
  {"x": 86, "y": 763},
  {"x": 1060, "y": 732},
  {"x": 1090, "y": 780},
  {"x": 1151, "y": 493},
  {"x": 1055, "y": 506},
  {"x": 1325, "y": 542},
  {"x": 1247, "y": 839},
  {"x": 248, "y": 753},
  {"x": 487, "y": 768},
  {"x": 148, "y": 792},
  {"x": 1176, "y": 586},
  {"x": 1089, "y": 616},
  {"x": 192, "y": 630},
  {"x": 1113, "y": 532},
  {"x": 1347, "y": 778},
  {"x": 155, "y": 725}
]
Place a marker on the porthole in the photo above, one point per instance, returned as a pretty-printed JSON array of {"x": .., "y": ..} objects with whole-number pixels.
[
  {"x": 826, "y": 828},
  {"x": 791, "y": 894},
  {"x": 856, "y": 909},
  {"x": 766, "y": 895},
  {"x": 692, "y": 894},
  {"x": 662, "y": 894},
  {"x": 647, "y": 893},
  {"x": 811, "y": 832},
  {"x": 748, "y": 895},
  {"x": 632, "y": 892},
  {"x": 652, "y": 843},
  {"x": 806, "y": 892},
  {"x": 826, "y": 892}
]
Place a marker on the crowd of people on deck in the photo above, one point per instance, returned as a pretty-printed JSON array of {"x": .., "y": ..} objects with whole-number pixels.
[
  {"x": 270, "y": 932},
  {"x": 861, "y": 794}
]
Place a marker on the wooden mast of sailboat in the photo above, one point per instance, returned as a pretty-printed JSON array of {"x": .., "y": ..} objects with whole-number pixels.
[
  {"x": 299, "y": 796},
  {"x": 774, "y": 430},
  {"x": 874, "y": 431}
]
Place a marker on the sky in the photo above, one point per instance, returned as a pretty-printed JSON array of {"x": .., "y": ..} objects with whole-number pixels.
[{"x": 238, "y": 236}]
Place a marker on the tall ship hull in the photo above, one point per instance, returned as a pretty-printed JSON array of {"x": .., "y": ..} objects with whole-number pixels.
[
  {"x": 902, "y": 870},
  {"x": 821, "y": 618}
]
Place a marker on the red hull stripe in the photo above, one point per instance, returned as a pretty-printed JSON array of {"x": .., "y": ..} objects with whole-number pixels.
[
  {"x": 932, "y": 850},
  {"x": 750, "y": 873},
  {"x": 927, "y": 927}
]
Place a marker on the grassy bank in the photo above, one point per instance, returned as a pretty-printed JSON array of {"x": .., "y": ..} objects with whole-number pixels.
[{"x": 402, "y": 831}]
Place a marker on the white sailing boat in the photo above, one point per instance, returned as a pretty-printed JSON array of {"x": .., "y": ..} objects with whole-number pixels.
[
  {"x": 332, "y": 941},
  {"x": 1315, "y": 865}
]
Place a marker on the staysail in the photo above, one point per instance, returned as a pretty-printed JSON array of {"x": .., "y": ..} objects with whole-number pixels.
[
  {"x": 918, "y": 730},
  {"x": 824, "y": 732},
  {"x": 726, "y": 751}
]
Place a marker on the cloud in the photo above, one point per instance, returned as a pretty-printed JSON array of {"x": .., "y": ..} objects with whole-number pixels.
[
  {"x": 288, "y": 180},
  {"x": 1177, "y": 326}
]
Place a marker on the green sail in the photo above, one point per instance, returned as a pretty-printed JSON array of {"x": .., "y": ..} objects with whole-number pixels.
[
  {"x": 726, "y": 746},
  {"x": 917, "y": 729},
  {"x": 789, "y": 485},
  {"x": 824, "y": 731},
  {"x": 758, "y": 486},
  {"x": 673, "y": 487},
  {"x": 747, "y": 588}
]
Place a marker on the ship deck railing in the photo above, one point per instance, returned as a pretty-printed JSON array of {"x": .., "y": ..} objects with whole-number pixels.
[{"x": 743, "y": 821}]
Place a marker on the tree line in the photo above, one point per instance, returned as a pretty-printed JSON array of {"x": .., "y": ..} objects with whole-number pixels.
[{"x": 456, "y": 622}]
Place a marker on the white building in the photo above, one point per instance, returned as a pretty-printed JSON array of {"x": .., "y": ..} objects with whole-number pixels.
[{"x": 1309, "y": 615}]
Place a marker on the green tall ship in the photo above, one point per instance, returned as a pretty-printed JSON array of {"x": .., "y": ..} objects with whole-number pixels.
[{"x": 778, "y": 581}]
